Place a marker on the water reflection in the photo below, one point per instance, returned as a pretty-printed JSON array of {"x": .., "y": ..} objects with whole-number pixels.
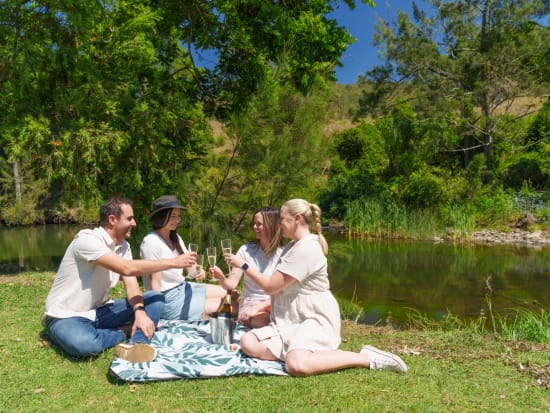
[
  {"x": 436, "y": 278},
  {"x": 34, "y": 248},
  {"x": 381, "y": 277}
]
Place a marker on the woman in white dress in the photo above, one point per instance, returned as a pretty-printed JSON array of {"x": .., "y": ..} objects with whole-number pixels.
[
  {"x": 263, "y": 254},
  {"x": 183, "y": 300},
  {"x": 304, "y": 331}
]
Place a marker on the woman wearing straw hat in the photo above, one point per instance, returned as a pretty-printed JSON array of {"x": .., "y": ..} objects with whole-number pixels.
[{"x": 183, "y": 300}]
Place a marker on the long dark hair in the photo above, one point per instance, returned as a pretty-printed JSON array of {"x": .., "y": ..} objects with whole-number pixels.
[{"x": 159, "y": 220}]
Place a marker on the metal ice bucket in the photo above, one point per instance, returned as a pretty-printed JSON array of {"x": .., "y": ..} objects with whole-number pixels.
[{"x": 222, "y": 327}]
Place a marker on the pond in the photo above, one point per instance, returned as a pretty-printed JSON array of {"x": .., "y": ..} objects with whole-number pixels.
[{"x": 382, "y": 278}]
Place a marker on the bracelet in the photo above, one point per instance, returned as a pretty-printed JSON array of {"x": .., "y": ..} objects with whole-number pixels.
[{"x": 139, "y": 308}]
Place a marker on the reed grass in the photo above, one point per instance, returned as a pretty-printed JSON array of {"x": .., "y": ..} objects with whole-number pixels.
[
  {"x": 373, "y": 219},
  {"x": 460, "y": 220},
  {"x": 526, "y": 325}
]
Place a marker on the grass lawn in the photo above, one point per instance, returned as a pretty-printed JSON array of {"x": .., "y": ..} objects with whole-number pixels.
[{"x": 449, "y": 371}]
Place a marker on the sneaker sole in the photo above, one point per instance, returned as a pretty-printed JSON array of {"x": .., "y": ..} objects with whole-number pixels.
[
  {"x": 390, "y": 355},
  {"x": 135, "y": 353}
]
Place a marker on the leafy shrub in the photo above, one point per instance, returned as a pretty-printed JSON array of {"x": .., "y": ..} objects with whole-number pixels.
[
  {"x": 424, "y": 190},
  {"x": 530, "y": 168},
  {"x": 493, "y": 208}
]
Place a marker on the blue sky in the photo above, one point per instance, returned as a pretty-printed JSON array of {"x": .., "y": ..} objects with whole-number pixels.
[{"x": 361, "y": 55}]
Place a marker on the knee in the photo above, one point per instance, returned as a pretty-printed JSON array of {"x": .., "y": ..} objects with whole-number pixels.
[
  {"x": 83, "y": 346},
  {"x": 154, "y": 302},
  {"x": 153, "y": 298},
  {"x": 295, "y": 366},
  {"x": 249, "y": 345}
]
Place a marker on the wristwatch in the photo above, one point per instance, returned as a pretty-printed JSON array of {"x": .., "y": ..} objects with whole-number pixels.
[
  {"x": 244, "y": 267},
  {"x": 139, "y": 308}
]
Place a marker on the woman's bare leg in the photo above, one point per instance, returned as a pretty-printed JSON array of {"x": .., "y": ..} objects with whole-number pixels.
[
  {"x": 214, "y": 295},
  {"x": 252, "y": 347},
  {"x": 307, "y": 363}
]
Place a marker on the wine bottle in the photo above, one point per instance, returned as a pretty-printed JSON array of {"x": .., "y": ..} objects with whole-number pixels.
[{"x": 225, "y": 305}]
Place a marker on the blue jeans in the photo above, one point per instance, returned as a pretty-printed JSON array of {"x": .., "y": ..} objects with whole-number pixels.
[{"x": 81, "y": 337}]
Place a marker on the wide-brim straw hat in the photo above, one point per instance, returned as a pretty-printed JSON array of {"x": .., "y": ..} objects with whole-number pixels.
[{"x": 165, "y": 202}]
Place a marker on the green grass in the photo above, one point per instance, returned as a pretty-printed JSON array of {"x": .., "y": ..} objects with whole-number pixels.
[
  {"x": 454, "y": 370},
  {"x": 526, "y": 325}
]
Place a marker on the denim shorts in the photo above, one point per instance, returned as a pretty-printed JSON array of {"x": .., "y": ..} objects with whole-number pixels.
[{"x": 185, "y": 302}]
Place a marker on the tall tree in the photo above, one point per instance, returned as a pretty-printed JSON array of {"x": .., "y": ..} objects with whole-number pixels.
[
  {"x": 240, "y": 40},
  {"x": 275, "y": 149},
  {"x": 107, "y": 96},
  {"x": 471, "y": 59}
]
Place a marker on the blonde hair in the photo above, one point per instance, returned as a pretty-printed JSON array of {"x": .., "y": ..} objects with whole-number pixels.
[{"x": 308, "y": 211}]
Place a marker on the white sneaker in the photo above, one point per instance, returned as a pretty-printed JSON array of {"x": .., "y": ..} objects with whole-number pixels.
[
  {"x": 135, "y": 352},
  {"x": 384, "y": 360}
]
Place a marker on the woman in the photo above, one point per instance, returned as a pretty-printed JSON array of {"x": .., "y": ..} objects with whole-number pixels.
[
  {"x": 183, "y": 300},
  {"x": 305, "y": 319},
  {"x": 263, "y": 254}
]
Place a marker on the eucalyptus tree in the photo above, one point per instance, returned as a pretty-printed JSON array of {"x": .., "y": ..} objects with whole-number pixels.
[{"x": 466, "y": 64}]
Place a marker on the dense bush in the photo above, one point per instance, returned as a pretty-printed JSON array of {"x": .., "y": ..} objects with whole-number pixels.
[{"x": 424, "y": 189}]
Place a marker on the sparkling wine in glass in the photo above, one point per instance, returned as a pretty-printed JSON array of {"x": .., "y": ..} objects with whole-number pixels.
[
  {"x": 226, "y": 246},
  {"x": 211, "y": 254},
  {"x": 199, "y": 263},
  {"x": 193, "y": 247}
]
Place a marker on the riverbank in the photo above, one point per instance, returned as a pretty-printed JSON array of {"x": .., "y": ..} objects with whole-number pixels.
[
  {"x": 516, "y": 236},
  {"x": 538, "y": 238}
]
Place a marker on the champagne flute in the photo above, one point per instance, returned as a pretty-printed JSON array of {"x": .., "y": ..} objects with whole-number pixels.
[
  {"x": 226, "y": 246},
  {"x": 197, "y": 268},
  {"x": 199, "y": 263},
  {"x": 191, "y": 272},
  {"x": 211, "y": 254},
  {"x": 226, "y": 249}
]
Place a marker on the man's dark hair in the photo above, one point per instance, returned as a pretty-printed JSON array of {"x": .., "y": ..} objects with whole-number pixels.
[{"x": 112, "y": 206}]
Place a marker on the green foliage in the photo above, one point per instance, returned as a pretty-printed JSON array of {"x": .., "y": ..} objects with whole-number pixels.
[
  {"x": 402, "y": 138},
  {"x": 275, "y": 150},
  {"x": 530, "y": 168},
  {"x": 452, "y": 58},
  {"x": 388, "y": 219},
  {"x": 103, "y": 99},
  {"x": 424, "y": 189},
  {"x": 526, "y": 325},
  {"x": 539, "y": 130},
  {"x": 357, "y": 168},
  {"x": 492, "y": 208},
  {"x": 249, "y": 37},
  {"x": 460, "y": 219}
]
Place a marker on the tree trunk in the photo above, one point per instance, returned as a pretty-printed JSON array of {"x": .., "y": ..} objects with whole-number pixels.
[{"x": 17, "y": 181}]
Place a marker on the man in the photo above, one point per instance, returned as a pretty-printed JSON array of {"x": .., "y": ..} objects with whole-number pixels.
[{"x": 78, "y": 314}]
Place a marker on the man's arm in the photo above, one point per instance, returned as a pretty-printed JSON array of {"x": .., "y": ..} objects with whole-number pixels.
[
  {"x": 141, "y": 320},
  {"x": 137, "y": 268}
]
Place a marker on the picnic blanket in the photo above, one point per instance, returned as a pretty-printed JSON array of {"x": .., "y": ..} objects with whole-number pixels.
[{"x": 185, "y": 350}]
